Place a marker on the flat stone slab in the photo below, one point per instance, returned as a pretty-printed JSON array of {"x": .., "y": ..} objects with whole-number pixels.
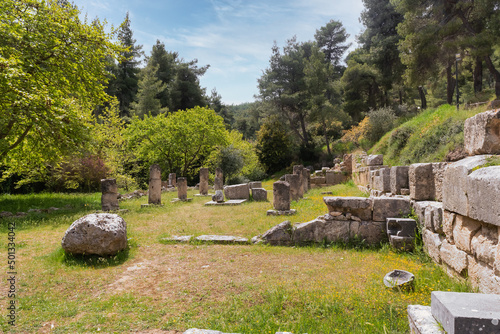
[
  {"x": 281, "y": 213},
  {"x": 200, "y": 195},
  {"x": 176, "y": 238},
  {"x": 466, "y": 312},
  {"x": 222, "y": 239},
  {"x": 175, "y": 200},
  {"x": 151, "y": 205},
  {"x": 422, "y": 321},
  {"x": 230, "y": 202}
]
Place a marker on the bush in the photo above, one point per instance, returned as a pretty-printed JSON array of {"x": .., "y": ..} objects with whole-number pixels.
[
  {"x": 273, "y": 145},
  {"x": 381, "y": 121}
]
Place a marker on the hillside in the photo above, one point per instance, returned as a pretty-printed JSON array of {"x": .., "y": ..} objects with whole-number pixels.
[{"x": 429, "y": 136}]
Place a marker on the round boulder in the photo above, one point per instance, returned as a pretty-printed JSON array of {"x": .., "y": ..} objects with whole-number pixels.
[{"x": 98, "y": 233}]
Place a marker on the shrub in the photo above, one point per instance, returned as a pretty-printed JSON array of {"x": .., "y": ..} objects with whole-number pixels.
[
  {"x": 274, "y": 145},
  {"x": 381, "y": 121}
]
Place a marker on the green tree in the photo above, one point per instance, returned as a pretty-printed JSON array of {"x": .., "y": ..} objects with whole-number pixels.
[
  {"x": 178, "y": 142},
  {"x": 52, "y": 74},
  {"x": 331, "y": 39},
  {"x": 150, "y": 87},
  {"x": 167, "y": 66},
  {"x": 186, "y": 92},
  {"x": 274, "y": 145}
]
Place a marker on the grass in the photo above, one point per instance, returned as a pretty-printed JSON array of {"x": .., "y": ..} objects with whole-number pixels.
[{"x": 242, "y": 289}]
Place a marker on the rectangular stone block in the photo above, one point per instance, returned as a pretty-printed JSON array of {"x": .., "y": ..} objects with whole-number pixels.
[
  {"x": 237, "y": 191},
  {"x": 448, "y": 225},
  {"x": 375, "y": 160},
  {"x": 109, "y": 202},
  {"x": 438, "y": 169},
  {"x": 482, "y": 133},
  {"x": 453, "y": 257},
  {"x": 432, "y": 244},
  {"x": 259, "y": 194},
  {"x": 421, "y": 320},
  {"x": 348, "y": 163},
  {"x": 421, "y": 180},
  {"x": 370, "y": 231},
  {"x": 399, "y": 179},
  {"x": 109, "y": 186},
  {"x": 465, "y": 229},
  {"x": 254, "y": 184},
  {"x": 319, "y": 230},
  {"x": 455, "y": 184},
  {"x": 381, "y": 180},
  {"x": 334, "y": 177},
  {"x": 483, "y": 193},
  {"x": 484, "y": 244},
  {"x": 318, "y": 180},
  {"x": 483, "y": 276},
  {"x": 204, "y": 181},
  {"x": 360, "y": 207},
  {"x": 461, "y": 313},
  {"x": 295, "y": 186},
  {"x": 390, "y": 207},
  {"x": 434, "y": 217},
  {"x": 419, "y": 208}
]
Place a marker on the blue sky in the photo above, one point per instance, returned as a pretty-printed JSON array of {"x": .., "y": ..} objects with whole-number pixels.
[{"x": 233, "y": 36}]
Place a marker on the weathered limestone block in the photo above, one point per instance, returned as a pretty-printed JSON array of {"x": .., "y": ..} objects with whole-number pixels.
[
  {"x": 172, "y": 180},
  {"x": 390, "y": 207},
  {"x": 421, "y": 320},
  {"x": 319, "y": 230},
  {"x": 482, "y": 133},
  {"x": 484, "y": 244},
  {"x": 434, "y": 217},
  {"x": 448, "y": 225},
  {"x": 203, "y": 181},
  {"x": 281, "y": 196},
  {"x": 318, "y": 180},
  {"x": 335, "y": 177},
  {"x": 295, "y": 186},
  {"x": 357, "y": 206},
  {"x": 259, "y": 194},
  {"x": 483, "y": 192},
  {"x": 237, "y": 191},
  {"x": 421, "y": 180},
  {"x": 419, "y": 208},
  {"x": 102, "y": 234},
  {"x": 299, "y": 170},
  {"x": 465, "y": 229},
  {"x": 219, "y": 173},
  {"x": 483, "y": 276},
  {"x": 254, "y": 184},
  {"x": 218, "y": 183},
  {"x": 281, "y": 234},
  {"x": 432, "y": 244},
  {"x": 402, "y": 227},
  {"x": 375, "y": 160},
  {"x": 182, "y": 188},
  {"x": 438, "y": 169},
  {"x": 370, "y": 231},
  {"x": 455, "y": 184},
  {"x": 399, "y": 179},
  {"x": 109, "y": 198},
  {"x": 154, "y": 193},
  {"x": 348, "y": 163},
  {"x": 381, "y": 180},
  {"x": 497, "y": 257},
  {"x": 306, "y": 180},
  {"x": 218, "y": 197},
  {"x": 453, "y": 257}
]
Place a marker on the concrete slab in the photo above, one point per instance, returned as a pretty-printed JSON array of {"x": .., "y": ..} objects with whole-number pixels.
[
  {"x": 466, "y": 312},
  {"x": 222, "y": 239},
  {"x": 422, "y": 321},
  {"x": 227, "y": 203}
]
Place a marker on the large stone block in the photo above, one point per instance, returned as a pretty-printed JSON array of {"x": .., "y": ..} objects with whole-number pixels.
[
  {"x": 381, "y": 180},
  {"x": 484, "y": 244},
  {"x": 254, "y": 184},
  {"x": 281, "y": 196},
  {"x": 371, "y": 232},
  {"x": 483, "y": 193},
  {"x": 434, "y": 217},
  {"x": 295, "y": 186},
  {"x": 399, "y": 179},
  {"x": 109, "y": 186},
  {"x": 335, "y": 177},
  {"x": 375, "y": 160},
  {"x": 259, "y": 194},
  {"x": 348, "y": 163},
  {"x": 448, "y": 225},
  {"x": 432, "y": 244},
  {"x": 172, "y": 180},
  {"x": 306, "y": 180},
  {"x": 421, "y": 178},
  {"x": 204, "y": 181},
  {"x": 357, "y": 206},
  {"x": 319, "y": 230},
  {"x": 390, "y": 207},
  {"x": 453, "y": 257},
  {"x": 438, "y": 169},
  {"x": 402, "y": 227},
  {"x": 419, "y": 208},
  {"x": 318, "y": 180},
  {"x": 299, "y": 170},
  {"x": 421, "y": 320},
  {"x": 482, "y": 133},
  {"x": 182, "y": 188},
  {"x": 465, "y": 229},
  {"x": 154, "y": 193},
  {"x": 483, "y": 276},
  {"x": 109, "y": 202},
  {"x": 455, "y": 184},
  {"x": 281, "y": 234},
  {"x": 237, "y": 191}
]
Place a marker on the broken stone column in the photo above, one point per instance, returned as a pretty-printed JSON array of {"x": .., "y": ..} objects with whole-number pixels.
[
  {"x": 219, "y": 180},
  {"x": 259, "y": 194},
  {"x": 348, "y": 163},
  {"x": 109, "y": 197},
  {"x": 218, "y": 197},
  {"x": 172, "y": 180},
  {"x": 299, "y": 171},
  {"x": 281, "y": 199},
  {"x": 154, "y": 194},
  {"x": 203, "y": 181},
  {"x": 295, "y": 186},
  {"x": 306, "y": 180},
  {"x": 182, "y": 188},
  {"x": 482, "y": 133}
]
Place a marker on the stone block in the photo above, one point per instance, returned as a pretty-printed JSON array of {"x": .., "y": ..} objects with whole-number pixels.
[
  {"x": 453, "y": 257},
  {"x": 172, "y": 180},
  {"x": 237, "y": 191},
  {"x": 295, "y": 186},
  {"x": 319, "y": 230},
  {"x": 421, "y": 320},
  {"x": 399, "y": 179},
  {"x": 465, "y": 229},
  {"x": 299, "y": 170},
  {"x": 438, "y": 169},
  {"x": 405, "y": 191},
  {"x": 484, "y": 244},
  {"x": 154, "y": 193},
  {"x": 483, "y": 193},
  {"x": 381, "y": 180},
  {"x": 109, "y": 202},
  {"x": 219, "y": 173},
  {"x": 281, "y": 234},
  {"x": 375, "y": 160},
  {"x": 218, "y": 197},
  {"x": 318, "y": 180},
  {"x": 348, "y": 163},
  {"x": 464, "y": 313},
  {"x": 371, "y": 232},
  {"x": 482, "y": 133},
  {"x": 455, "y": 184},
  {"x": 254, "y": 184},
  {"x": 306, "y": 180},
  {"x": 222, "y": 239},
  {"x": 496, "y": 265},
  {"x": 434, "y": 217},
  {"x": 281, "y": 196},
  {"x": 203, "y": 181},
  {"x": 402, "y": 227},
  {"x": 421, "y": 178},
  {"x": 357, "y": 206},
  {"x": 448, "y": 225},
  {"x": 335, "y": 177},
  {"x": 419, "y": 208},
  {"x": 432, "y": 244},
  {"x": 259, "y": 194},
  {"x": 109, "y": 186},
  {"x": 389, "y": 207},
  {"x": 218, "y": 183},
  {"x": 483, "y": 277},
  {"x": 182, "y": 188}
]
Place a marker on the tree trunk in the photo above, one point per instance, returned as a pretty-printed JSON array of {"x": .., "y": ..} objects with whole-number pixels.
[
  {"x": 478, "y": 75},
  {"x": 326, "y": 139},
  {"x": 400, "y": 97},
  {"x": 422, "y": 97},
  {"x": 494, "y": 72},
  {"x": 304, "y": 130},
  {"x": 450, "y": 85}
]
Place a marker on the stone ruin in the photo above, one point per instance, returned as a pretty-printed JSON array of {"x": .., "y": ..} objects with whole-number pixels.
[
  {"x": 154, "y": 193},
  {"x": 109, "y": 197},
  {"x": 204, "y": 182},
  {"x": 182, "y": 190},
  {"x": 281, "y": 199}
]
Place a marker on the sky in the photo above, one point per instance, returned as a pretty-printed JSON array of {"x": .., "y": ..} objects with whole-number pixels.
[{"x": 234, "y": 37}]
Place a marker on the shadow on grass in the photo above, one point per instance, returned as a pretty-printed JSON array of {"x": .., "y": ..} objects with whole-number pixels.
[{"x": 92, "y": 260}]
